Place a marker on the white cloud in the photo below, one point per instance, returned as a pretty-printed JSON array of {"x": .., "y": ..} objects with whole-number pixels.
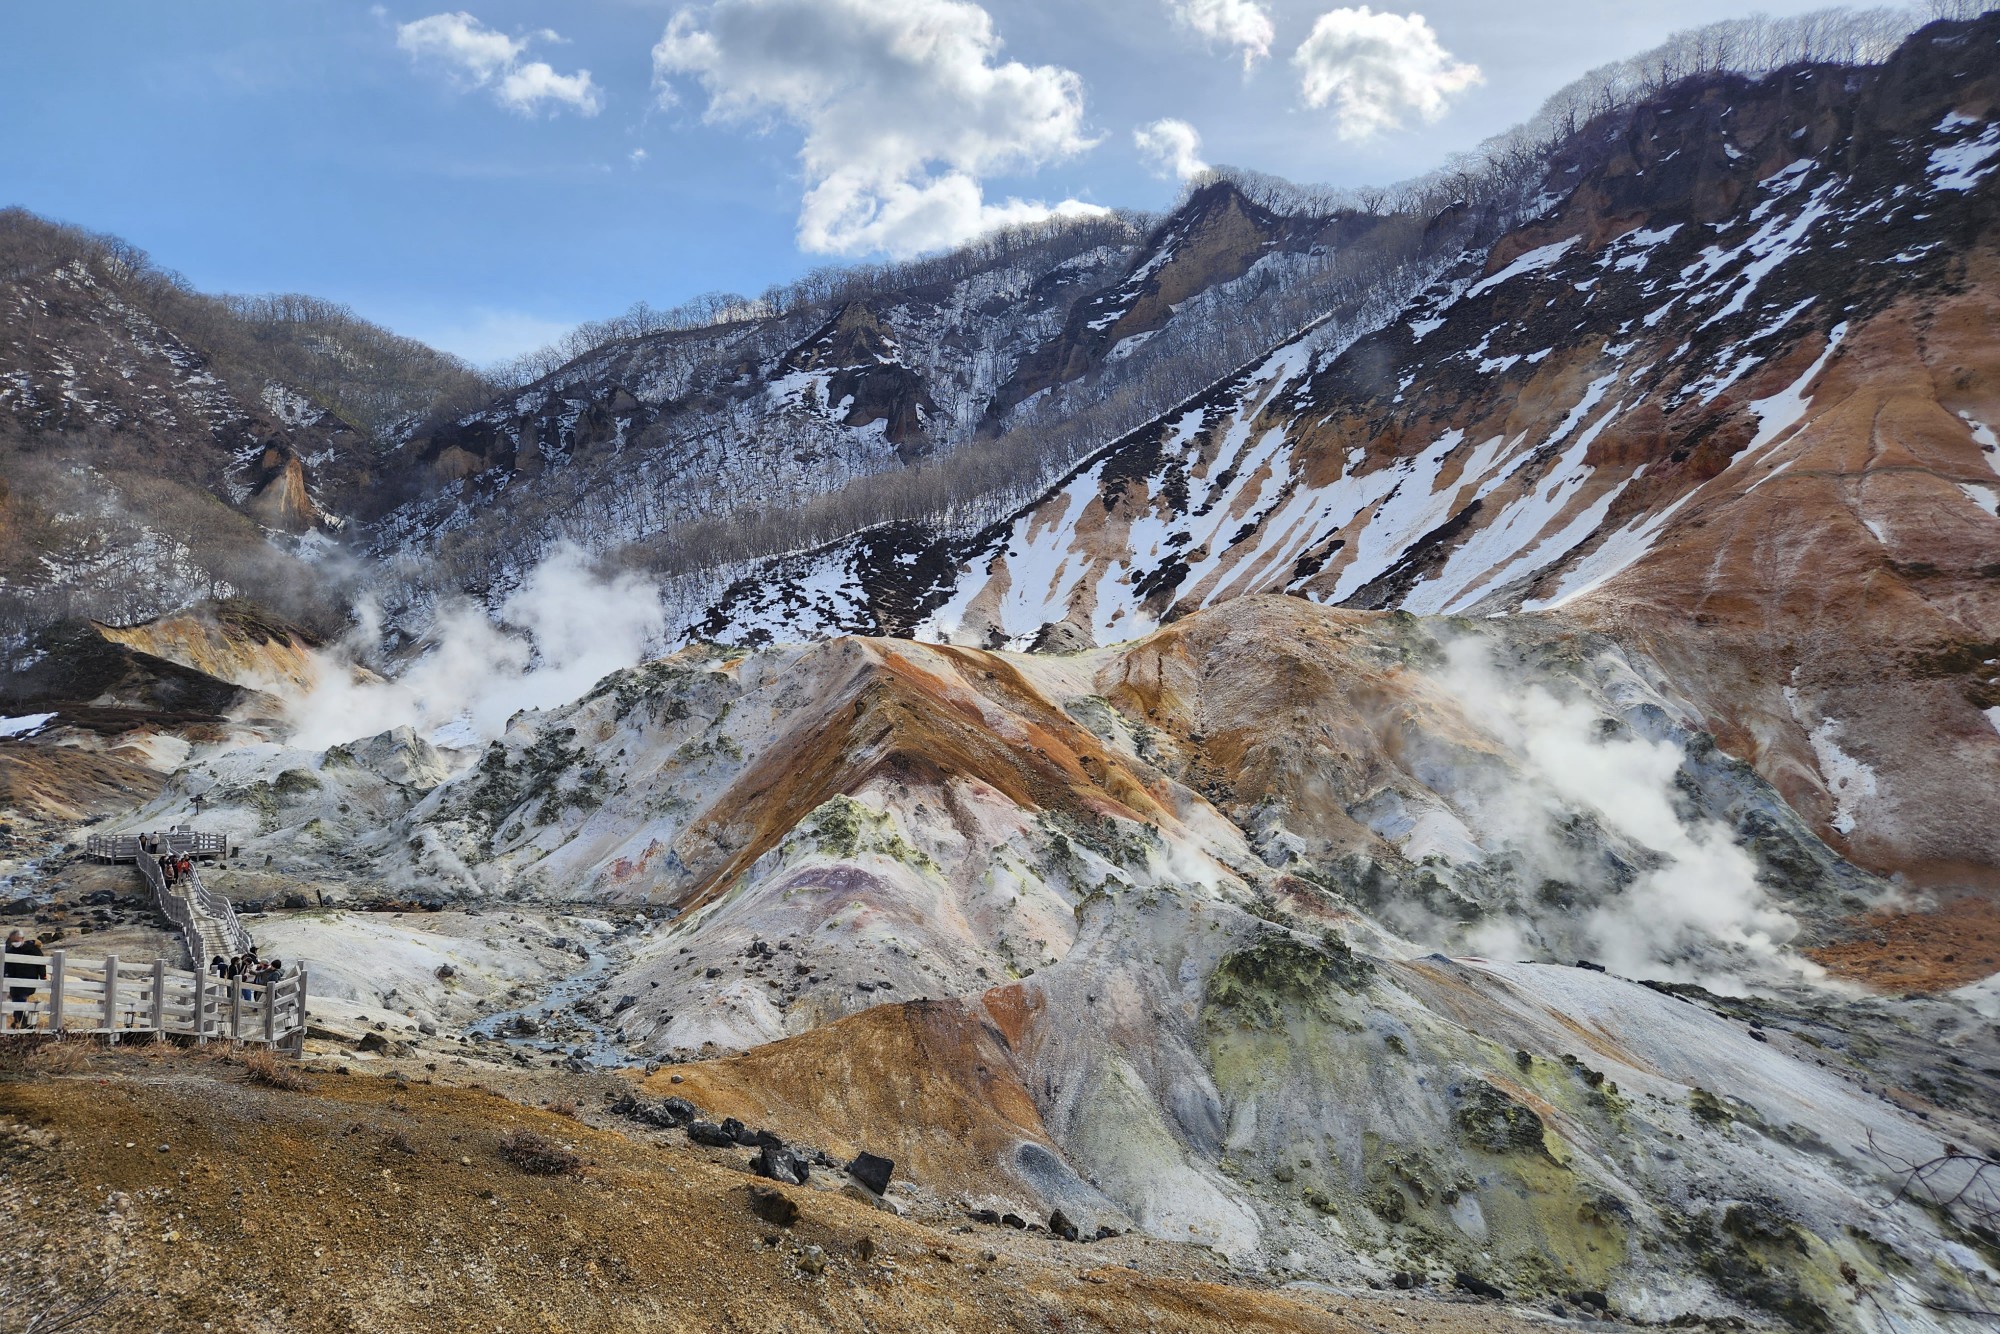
[
  {"x": 1170, "y": 148},
  {"x": 1378, "y": 70},
  {"x": 484, "y": 58},
  {"x": 636, "y": 156},
  {"x": 1239, "y": 23},
  {"x": 904, "y": 106}
]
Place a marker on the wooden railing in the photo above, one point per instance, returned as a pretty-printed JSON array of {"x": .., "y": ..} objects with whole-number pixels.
[
  {"x": 180, "y": 841},
  {"x": 186, "y": 903},
  {"x": 114, "y": 998}
]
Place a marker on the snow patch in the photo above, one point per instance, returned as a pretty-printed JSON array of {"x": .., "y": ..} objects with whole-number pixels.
[
  {"x": 1534, "y": 261},
  {"x": 1848, "y": 781},
  {"x": 26, "y": 725},
  {"x": 1962, "y": 165}
]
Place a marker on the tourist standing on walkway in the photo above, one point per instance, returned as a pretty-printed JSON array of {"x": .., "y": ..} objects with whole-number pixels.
[{"x": 26, "y": 970}]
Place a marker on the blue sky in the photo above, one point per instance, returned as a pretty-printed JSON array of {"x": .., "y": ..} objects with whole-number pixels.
[{"x": 450, "y": 174}]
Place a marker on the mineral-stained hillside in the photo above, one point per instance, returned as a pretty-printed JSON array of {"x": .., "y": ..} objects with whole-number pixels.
[
  {"x": 1160, "y": 916},
  {"x": 1730, "y": 399}
]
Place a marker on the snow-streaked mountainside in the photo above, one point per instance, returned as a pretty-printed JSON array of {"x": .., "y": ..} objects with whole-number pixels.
[
  {"x": 160, "y": 446},
  {"x": 1703, "y": 401},
  {"x": 1694, "y": 285},
  {"x": 1041, "y": 349}
]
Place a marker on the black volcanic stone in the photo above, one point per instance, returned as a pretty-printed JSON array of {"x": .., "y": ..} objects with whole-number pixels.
[{"x": 872, "y": 1171}]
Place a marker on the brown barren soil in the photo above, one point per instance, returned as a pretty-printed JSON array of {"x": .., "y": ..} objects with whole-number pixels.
[
  {"x": 1937, "y": 950},
  {"x": 183, "y": 1195}
]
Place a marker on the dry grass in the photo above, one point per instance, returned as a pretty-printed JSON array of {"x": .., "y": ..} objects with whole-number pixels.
[
  {"x": 538, "y": 1155},
  {"x": 60, "y": 1058},
  {"x": 273, "y": 1071}
]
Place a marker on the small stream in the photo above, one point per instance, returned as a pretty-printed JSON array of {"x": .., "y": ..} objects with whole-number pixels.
[{"x": 595, "y": 1044}]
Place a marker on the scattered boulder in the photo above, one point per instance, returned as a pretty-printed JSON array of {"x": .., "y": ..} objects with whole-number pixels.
[
  {"x": 1060, "y": 1225},
  {"x": 373, "y": 1042},
  {"x": 738, "y": 1132},
  {"x": 1495, "y": 1122},
  {"x": 773, "y": 1206},
  {"x": 624, "y": 1003},
  {"x": 779, "y": 1163},
  {"x": 1477, "y": 1286},
  {"x": 707, "y": 1132},
  {"x": 667, "y": 1114},
  {"x": 872, "y": 1170}
]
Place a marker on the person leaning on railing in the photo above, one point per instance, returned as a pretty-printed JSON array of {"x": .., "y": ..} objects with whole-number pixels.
[{"x": 26, "y": 970}]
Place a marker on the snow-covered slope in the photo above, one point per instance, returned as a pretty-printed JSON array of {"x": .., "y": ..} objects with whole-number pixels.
[{"x": 1729, "y": 396}]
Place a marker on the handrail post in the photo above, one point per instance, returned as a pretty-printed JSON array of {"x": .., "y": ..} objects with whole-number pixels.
[
  {"x": 299, "y": 1000},
  {"x": 270, "y": 1015},
  {"x": 159, "y": 1000},
  {"x": 111, "y": 995},
  {"x": 201, "y": 1006},
  {"x": 235, "y": 1008},
  {"x": 56, "y": 991}
]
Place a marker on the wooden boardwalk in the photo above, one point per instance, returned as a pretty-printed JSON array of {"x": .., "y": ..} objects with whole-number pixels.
[
  {"x": 207, "y": 921},
  {"x": 114, "y": 997}
]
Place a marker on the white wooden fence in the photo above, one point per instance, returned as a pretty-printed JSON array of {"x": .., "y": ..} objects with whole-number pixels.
[
  {"x": 178, "y": 840},
  {"x": 114, "y": 998}
]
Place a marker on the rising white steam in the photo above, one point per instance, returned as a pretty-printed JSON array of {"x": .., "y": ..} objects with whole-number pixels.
[
  {"x": 1700, "y": 899},
  {"x": 561, "y": 632}
]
